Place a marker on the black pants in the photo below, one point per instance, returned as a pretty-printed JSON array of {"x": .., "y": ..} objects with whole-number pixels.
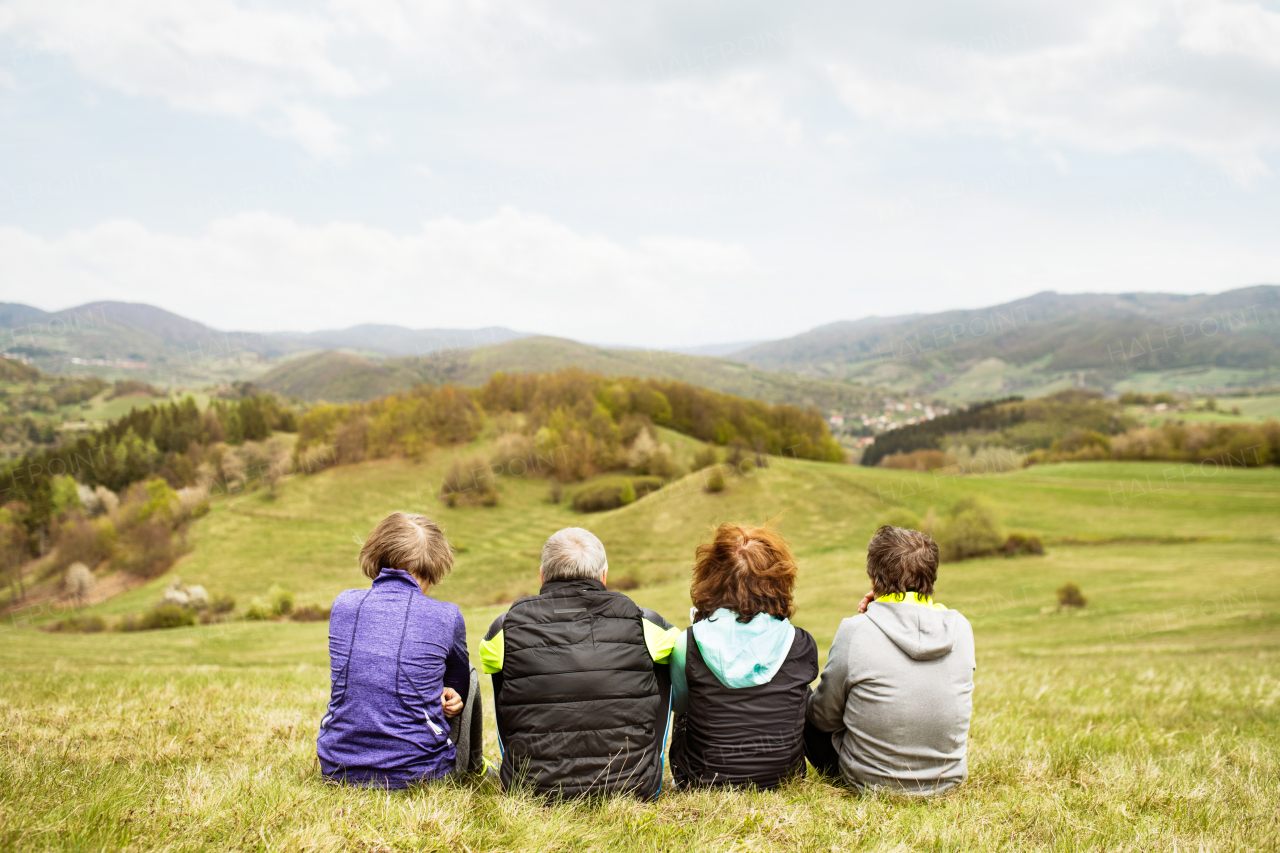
[{"x": 820, "y": 751}]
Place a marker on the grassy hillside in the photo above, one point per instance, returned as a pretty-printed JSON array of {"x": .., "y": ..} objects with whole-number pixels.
[
  {"x": 338, "y": 377},
  {"x": 1148, "y": 721},
  {"x": 1136, "y": 341},
  {"x": 341, "y": 377}
]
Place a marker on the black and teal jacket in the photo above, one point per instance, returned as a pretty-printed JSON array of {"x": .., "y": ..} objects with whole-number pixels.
[
  {"x": 740, "y": 693},
  {"x": 582, "y": 691}
]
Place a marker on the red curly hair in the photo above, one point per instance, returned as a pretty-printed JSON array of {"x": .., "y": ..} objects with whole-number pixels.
[{"x": 748, "y": 570}]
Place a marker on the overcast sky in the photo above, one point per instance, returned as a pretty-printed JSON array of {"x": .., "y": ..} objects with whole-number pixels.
[{"x": 661, "y": 174}]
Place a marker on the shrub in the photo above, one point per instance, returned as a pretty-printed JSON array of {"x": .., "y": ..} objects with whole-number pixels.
[
  {"x": 1069, "y": 595},
  {"x": 310, "y": 613},
  {"x": 80, "y": 625},
  {"x": 166, "y": 616},
  {"x": 715, "y": 481},
  {"x": 646, "y": 485},
  {"x": 613, "y": 492},
  {"x": 469, "y": 481},
  {"x": 970, "y": 530},
  {"x": 79, "y": 581},
  {"x": 259, "y": 609},
  {"x": 555, "y": 492},
  {"x": 900, "y": 516},
  {"x": 80, "y": 540},
  {"x": 149, "y": 549},
  {"x": 280, "y": 599},
  {"x": 220, "y": 604},
  {"x": 1018, "y": 543},
  {"x": 705, "y": 458}
]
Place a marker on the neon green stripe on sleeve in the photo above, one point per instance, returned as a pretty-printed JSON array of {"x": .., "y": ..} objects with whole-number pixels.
[
  {"x": 659, "y": 640},
  {"x": 491, "y": 654}
]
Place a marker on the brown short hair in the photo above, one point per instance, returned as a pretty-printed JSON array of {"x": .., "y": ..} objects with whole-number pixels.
[
  {"x": 902, "y": 560},
  {"x": 414, "y": 543},
  {"x": 749, "y": 570}
]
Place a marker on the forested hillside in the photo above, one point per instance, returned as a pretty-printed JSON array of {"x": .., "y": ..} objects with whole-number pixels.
[{"x": 1034, "y": 345}]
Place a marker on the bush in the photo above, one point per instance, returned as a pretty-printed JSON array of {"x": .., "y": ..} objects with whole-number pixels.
[
  {"x": 277, "y": 602},
  {"x": 469, "y": 482},
  {"x": 79, "y": 581},
  {"x": 259, "y": 609},
  {"x": 715, "y": 482},
  {"x": 281, "y": 600},
  {"x": 555, "y": 492},
  {"x": 1018, "y": 543},
  {"x": 1069, "y": 595},
  {"x": 149, "y": 549},
  {"x": 80, "y": 625},
  {"x": 166, "y": 616},
  {"x": 900, "y": 516},
  {"x": 613, "y": 492},
  {"x": 705, "y": 458},
  {"x": 82, "y": 541},
  {"x": 310, "y": 613},
  {"x": 220, "y": 604},
  {"x": 970, "y": 530}
]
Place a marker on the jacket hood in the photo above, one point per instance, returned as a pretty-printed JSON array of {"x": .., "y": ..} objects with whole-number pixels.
[
  {"x": 921, "y": 632},
  {"x": 743, "y": 655}
]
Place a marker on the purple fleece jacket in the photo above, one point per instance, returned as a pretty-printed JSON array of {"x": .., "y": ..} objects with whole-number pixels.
[{"x": 392, "y": 651}]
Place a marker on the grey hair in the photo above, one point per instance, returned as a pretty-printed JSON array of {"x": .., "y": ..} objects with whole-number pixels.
[{"x": 573, "y": 553}]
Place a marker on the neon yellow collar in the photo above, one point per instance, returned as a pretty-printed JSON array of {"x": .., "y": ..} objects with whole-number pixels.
[{"x": 910, "y": 597}]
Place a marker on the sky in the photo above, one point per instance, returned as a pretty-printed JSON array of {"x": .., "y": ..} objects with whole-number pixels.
[{"x": 652, "y": 174}]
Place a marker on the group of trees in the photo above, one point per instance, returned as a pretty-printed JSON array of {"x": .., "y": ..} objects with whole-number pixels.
[
  {"x": 568, "y": 425},
  {"x": 169, "y": 443},
  {"x": 1073, "y": 426},
  {"x": 1009, "y": 422},
  {"x": 1232, "y": 445},
  {"x": 581, "y": 423}
]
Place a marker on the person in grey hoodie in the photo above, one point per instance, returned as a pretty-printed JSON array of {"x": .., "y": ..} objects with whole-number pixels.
[
  {"x": 893, "y": 705},
  {"x": 740, "y": 674}
]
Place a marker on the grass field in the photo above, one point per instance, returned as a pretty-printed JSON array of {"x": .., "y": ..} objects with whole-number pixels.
[{"x": 1148, "y": 721}]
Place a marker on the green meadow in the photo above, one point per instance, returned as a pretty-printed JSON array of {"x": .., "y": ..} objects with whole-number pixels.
[{"x": 1148, "y": 720}]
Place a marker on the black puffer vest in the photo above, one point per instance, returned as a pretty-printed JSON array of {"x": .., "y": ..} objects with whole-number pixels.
[
  {"x": 744, "y": 735},
  {"x": 581, "y": 706}
]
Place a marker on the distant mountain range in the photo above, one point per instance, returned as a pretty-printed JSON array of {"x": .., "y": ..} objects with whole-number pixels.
[
  {"x": 1032, "y": 346},
  {"x": 342, "y": 377},
  {"x": 1047, "y": 342}
]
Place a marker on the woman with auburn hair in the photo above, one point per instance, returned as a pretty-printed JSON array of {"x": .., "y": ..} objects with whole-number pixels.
[
  {"x": 740, "y": 674},
  {"x": 399, "y": 669}
]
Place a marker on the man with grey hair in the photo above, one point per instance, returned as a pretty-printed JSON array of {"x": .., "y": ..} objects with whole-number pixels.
[{"x": 582, "y": 692}]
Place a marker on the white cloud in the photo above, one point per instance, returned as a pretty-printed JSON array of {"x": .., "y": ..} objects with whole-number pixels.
[
  {"x": 515, "y": 269},
  {"x": 216, "y": 56},
  {"x": 748, "y": 102},
  {"x": 1135, "y": 77}
]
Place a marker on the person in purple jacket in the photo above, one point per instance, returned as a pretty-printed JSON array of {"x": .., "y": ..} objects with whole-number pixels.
[{"x": 404, "y": 705}]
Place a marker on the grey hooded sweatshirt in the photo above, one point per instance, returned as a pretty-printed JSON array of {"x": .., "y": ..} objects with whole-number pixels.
[{"x": 897, "y": 695}]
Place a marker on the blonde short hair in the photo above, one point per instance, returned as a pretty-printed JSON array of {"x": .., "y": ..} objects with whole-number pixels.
[{"x": 410, "y": 542}]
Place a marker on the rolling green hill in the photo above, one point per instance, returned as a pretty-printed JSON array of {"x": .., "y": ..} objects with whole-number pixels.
[
  {"x": 1147, "y": 720},
  {"x": 1046, "y": 342},
  {"x": 337, "y": 377},
  {"x": 330, "y": 377}
]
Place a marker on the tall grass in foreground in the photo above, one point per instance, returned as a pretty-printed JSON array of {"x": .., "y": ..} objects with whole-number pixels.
[{"x": 1168, "y": 750}]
